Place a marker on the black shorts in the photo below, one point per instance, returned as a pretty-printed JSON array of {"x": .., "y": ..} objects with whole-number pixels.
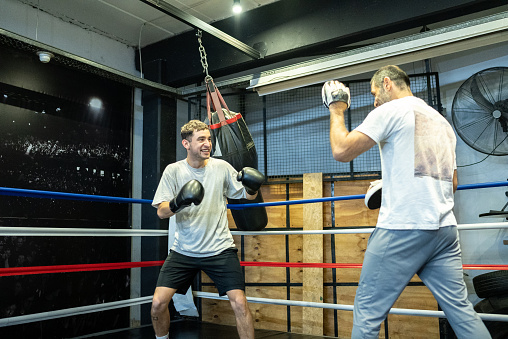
[{"x": 224, "y": 269}]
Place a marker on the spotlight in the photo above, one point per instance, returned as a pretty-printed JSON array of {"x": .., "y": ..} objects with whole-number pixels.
[
  {"x": 95, "y": 103},
  {"x": 237, "y": 8},
  {"x": 44, "y": 56}
]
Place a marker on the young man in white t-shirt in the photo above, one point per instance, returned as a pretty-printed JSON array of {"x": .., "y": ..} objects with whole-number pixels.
[
  {"x": 195, "y": 192},
  {"x": 416, "y": 230}
]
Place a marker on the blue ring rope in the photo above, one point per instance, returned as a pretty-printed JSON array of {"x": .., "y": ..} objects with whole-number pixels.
[
  {"x": 19, "y": 192},
  {"x": 102, "y": 198}
]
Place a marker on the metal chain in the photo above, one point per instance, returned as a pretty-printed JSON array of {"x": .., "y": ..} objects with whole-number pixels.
[{"x": 202, "y": 54}]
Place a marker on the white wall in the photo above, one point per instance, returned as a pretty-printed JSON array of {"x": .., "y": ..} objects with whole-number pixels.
[
  {"x": 22, "y": 19},
  {"x": 479, "y": 247}
]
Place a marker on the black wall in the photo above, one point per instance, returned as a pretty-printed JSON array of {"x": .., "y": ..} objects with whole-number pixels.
[{"x": 52, "y": 140}]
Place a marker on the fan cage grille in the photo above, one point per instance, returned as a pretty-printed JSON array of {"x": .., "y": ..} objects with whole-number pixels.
[{"x": 480, "y": 111}]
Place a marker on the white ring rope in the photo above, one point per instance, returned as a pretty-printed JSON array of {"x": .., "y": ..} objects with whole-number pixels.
[
  {"x": 30, "y": 318},
  {"x": 463, "y": 227},
  {"x": 68, "y": 312},
  {"x": 100, "y": 232},
  {"x": 80, "y": 232},
  {"x": 401, "y": 311}
]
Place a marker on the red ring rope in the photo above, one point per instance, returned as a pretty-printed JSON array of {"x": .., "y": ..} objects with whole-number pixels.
[
  {"x": 346, "y": 265},
  {"x": 4, "y": 272},
  {"x": 75, "y": 268}
]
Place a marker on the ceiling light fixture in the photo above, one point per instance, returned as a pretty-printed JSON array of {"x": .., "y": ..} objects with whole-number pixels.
[
  {"x": 44, "y": 56},
  {"x": 96, "y": 103},
  {"x": 237, "y": 8}
]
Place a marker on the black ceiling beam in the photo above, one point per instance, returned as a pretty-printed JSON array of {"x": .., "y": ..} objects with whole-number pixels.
[
  {"x": 199, "y": 24},
  {"x": 293, "y": 29}
]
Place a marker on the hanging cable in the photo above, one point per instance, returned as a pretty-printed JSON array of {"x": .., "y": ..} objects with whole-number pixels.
[
  {"x": 37, "y": 24},
  {"x": 139, "y": 50},
  {"x": 488, "y": 155}
]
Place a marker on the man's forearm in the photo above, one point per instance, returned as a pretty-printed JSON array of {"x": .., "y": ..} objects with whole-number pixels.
[
  {"x": 163, "y": 211},
  {"x": 338, "y": 131},
  {"x": 251, "y": 196},
  {"x": 346, "y": 145}
]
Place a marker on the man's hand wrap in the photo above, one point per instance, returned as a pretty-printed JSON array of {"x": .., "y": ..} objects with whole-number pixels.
[
  {"x": 191, "y": 192},
  {"x": 334, "y": 91},
  {"x": 251, "y": 179}
]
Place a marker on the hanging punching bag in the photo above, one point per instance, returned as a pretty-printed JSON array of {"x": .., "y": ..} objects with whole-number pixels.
[{"x": 232, "y": 142}]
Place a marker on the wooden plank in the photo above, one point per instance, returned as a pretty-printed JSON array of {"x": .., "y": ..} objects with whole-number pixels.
[
  {"x": 414, "y": 297},
  {"x": 399, "y": 326},
  {"x": 296, "y": 211},
  {"x": 312, "y": 318},
  {"x": 265, "y": 316},
  {"x": 295, "y": 243},
  {"x": 353, "y": 212},
  {"x": 345, "y": 295},
  {"x": 327, "y": 206}
]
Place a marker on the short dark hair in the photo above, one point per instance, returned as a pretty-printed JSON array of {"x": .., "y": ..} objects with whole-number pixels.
[
  {"x": 397, "y": 75},
  {"x": 194, "y": 125}
]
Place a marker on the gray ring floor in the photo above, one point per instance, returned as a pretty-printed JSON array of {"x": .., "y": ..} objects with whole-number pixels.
[{"x": 193, "y": 329}]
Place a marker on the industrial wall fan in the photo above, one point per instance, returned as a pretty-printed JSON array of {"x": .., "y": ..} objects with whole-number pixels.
[{"x": 480, "y": 111}]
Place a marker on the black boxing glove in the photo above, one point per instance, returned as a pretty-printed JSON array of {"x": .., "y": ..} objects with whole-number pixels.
[
  {"x": 191, "y": 192},
  {"x": 251, "y": 179}
]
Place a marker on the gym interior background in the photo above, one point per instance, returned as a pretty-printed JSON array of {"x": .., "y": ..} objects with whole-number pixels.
[{"x": 52, "y": 137}]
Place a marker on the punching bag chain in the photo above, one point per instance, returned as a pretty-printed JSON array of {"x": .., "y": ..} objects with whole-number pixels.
[{"x": 202, "y": 53}]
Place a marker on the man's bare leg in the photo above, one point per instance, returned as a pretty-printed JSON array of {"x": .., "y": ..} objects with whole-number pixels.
[
  {"x": 244, "y": 323},
  {"x": 160, "y": 312}
]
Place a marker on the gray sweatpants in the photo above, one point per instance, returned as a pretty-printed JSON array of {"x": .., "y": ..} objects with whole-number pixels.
[{"x": 392, "y": 258}]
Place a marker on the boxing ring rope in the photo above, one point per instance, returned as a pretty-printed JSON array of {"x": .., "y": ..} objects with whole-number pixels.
[
  {"x": 67, "y": 312},
  {"x": 400, "y": 311},
  {"x": 80, "y": 232},
  {"x": 21, "y": 192},
  {"x": 102, "y": 198},
  {"x": 29, "y": 270},
  {"x": 23, "y": 319},
  {"x": 461, "y": 227},
  {"x": 101, "y": 232},
  {"x": 48, "y": 231}
]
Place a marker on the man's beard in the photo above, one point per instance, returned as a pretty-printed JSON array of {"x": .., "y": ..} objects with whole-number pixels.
[
  {"x": 383, "y": 97},
  {"x": 200, "y": 155}
]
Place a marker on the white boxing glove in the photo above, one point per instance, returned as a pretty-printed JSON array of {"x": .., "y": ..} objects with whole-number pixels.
[
  {"x": 373, "y": 195},
  {"x": 333, "y": 91}
]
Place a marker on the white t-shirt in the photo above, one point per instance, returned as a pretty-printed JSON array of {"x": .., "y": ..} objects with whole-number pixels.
[
  {"x": 417, "y": 148},
  {"x": 202, "y": 230}
]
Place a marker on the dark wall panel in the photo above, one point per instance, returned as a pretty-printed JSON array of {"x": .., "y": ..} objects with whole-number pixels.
[
  {"x": 159, "y": 150},
  {"x": 52, "y": 139}
]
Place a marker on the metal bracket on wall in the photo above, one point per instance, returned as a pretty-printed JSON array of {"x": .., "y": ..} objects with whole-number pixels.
[
  {"x": 497, "y": 214},
  {"x": 199, "y": 24}
]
